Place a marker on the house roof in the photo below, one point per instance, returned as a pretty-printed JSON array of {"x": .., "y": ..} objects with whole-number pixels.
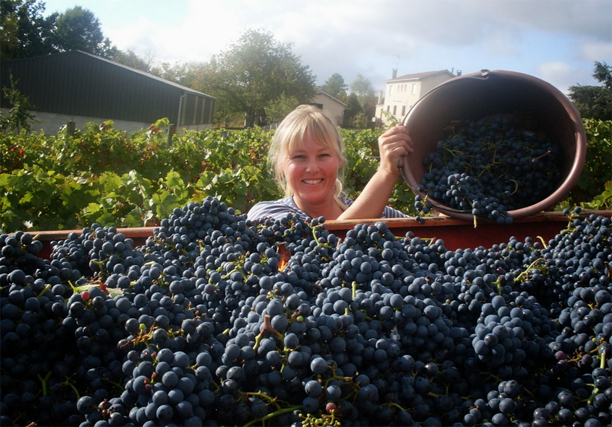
[
  {"x": 148, "y": 75},
  {"x": 322, "y": 92},
  {"x": 76, "y": 53},
  {"x": 81, "y": 84},
  {"x": 420, "y": 76}
]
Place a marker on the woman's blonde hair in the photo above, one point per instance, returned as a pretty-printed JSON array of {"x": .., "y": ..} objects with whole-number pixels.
[{"x": 305, "y": 120}]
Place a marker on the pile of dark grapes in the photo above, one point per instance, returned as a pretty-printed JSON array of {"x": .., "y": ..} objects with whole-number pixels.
[
  {"x": 488, "y": 167},
  {"x": 217, "y": 320}
]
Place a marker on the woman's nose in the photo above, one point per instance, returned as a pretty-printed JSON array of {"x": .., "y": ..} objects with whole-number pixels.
[{"x": 312, "y": 165}]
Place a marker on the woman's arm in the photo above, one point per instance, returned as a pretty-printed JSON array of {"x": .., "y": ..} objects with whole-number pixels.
[{"x": 393, "y": 145}]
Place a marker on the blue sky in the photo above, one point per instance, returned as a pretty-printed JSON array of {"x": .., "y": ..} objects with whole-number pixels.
[{"x": 555, "y": 40}]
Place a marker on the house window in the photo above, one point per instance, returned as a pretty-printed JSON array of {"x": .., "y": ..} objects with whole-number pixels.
[
  {"x": 414, "y": 88},
  {"x": 390, "y": 89},
  {"x": 388, "y": 108},
  {"x": 403, "y": 110},
  {"x": 394, "y": 110}
]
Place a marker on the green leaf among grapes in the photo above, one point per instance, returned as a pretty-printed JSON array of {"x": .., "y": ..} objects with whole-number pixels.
[
  {"x": 92, "y": 208},
  {"x": 113, "y": 292}
]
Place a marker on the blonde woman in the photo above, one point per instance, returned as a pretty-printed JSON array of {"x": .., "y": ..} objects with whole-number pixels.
[{"x": 307, "y": 156}]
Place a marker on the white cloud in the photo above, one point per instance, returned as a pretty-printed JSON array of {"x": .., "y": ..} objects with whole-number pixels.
[
  {"x": 597, "y": 51},
  {"x": 501, "y": 44},
  {"x": 137, "y": 36},
  {"x": 563, "y": 75},
  {"x": 206, "y": 29}
]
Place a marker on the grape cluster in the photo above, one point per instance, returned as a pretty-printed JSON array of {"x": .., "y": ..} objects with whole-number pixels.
[
  {"x": 488, "y": 167},
  {"x": 217, "y": 320}
]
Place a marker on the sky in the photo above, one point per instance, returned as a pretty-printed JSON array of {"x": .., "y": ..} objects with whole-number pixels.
[{"x": 557, "y": 41}]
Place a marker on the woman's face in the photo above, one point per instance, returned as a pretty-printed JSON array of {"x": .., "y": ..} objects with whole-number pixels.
[{"x": 311, "y": 170}]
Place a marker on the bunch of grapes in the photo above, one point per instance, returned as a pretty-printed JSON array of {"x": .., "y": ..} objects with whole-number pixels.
[
  {"x": 217, "y": 320},
  {"x": 489, "y": 167}
]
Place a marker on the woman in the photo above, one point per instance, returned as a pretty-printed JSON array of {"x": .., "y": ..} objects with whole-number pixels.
[{"x": 307, "y": 156}]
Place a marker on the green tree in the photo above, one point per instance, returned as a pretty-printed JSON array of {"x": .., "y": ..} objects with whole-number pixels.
[
  {"x": 131, "y": 59},
  {"x": 362, "y": 87},
  {"x": 253, "y": 73},
  {"x": 203, "y": 77},
  {"x": 336, "y": 87},
  {"x": 79, "y": 29},
  {"x": 190, "y": 74},
  {"x": 24, "y": 31},
  {"x": 603, "y": 73},
  {"x": 595, "y": 102},
  {"x": 278, "y": 109},
  {"x": 353, "y": 108},
  {"x": 18, "y": 117}
]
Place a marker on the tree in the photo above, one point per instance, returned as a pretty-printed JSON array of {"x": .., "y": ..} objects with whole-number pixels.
[
  {"x": 18, "y": 116},
  {"x": 353, "y": 108},
  {"x": 277, "y": 110},
  {"x": 24, "y": 31},
  {"x": 79, "y": 29},
  {"x": 254, "y": 73},
  {"x": 595, "y": 102},
  {"x": 603, "y": 73},
  {"x": 203, "y": 77},
  {"x": 362, "y": 87},
  {"x": 336, "y": 87},
  {"x": 188, "y": 74},
  {"x": 130, "y": 59}
]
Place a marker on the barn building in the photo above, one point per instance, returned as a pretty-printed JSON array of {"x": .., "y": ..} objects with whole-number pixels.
[{"x": 81, "y": 87}]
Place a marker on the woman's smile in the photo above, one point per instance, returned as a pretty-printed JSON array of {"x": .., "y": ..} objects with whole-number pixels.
[{"x": 311, "y": 170}]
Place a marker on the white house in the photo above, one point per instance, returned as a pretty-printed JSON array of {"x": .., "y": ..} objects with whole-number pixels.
[{"x": 404, "y": 91}]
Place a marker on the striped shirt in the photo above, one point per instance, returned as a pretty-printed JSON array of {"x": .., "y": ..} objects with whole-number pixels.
[{"x": 278, "y": 209}]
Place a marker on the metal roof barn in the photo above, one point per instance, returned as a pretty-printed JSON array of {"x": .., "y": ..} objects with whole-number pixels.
[{"x": 76, "y": 83}]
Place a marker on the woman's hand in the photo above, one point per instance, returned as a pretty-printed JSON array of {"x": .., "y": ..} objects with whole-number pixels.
[{"x": 393, "y": 145}]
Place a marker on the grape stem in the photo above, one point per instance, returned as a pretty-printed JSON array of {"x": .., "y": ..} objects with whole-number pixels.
[
  {"x": 395, "y": 405},
  {"x": 69, "y": 384},
  {"x": 593, "y": 394},
  {"x": 272, "y": 415},
  {"x": 264, "y": 396},
  {"x": 541, "y": 156},
  {"x": 43, "y": 382},
  {"x": 325, "y": 420},
  {"x": 267, "y": 327},
  {"x": 237, "y": 269},
  {"x": 44, "y": 291},
  {"x": 528, "y": 269},
  {"x": 543, "y": 242},
  {"x": 516, "y": 185}
]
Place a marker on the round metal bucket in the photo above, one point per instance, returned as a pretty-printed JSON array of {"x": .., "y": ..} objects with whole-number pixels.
[{"x": 482, "y": 94}]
